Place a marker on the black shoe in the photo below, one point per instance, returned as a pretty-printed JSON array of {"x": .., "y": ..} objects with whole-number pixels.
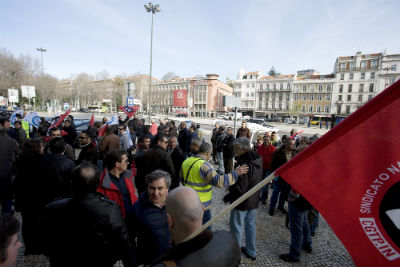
[
  {"x": 286, "y": 257},
  {"x": 282, "y": 210},
  {"x": 264, "y": 202},
  {"x": 271, "y": 213},
  {"x": 312, "y": 233},
  {"x": 307, "y": 249},
  {"x": 243, "y": 249}
]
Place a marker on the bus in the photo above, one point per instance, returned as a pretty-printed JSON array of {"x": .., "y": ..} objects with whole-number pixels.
[{"x": 97, "y": 108}]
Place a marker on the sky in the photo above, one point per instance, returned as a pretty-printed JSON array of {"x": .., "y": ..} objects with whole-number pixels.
[{"x": 197, "y": 37}]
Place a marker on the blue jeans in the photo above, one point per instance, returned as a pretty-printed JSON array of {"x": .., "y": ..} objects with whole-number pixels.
[
  {"x": 264, "y": 190},
  {"x": 236, "y": 222},
  {"x": 280, "y": 191},
  {"x": 315, "y": 223},
  {"x": 300, "y": 235},
  {"x": 207, "y": 217},
  {"x": 220, "y": 158}
]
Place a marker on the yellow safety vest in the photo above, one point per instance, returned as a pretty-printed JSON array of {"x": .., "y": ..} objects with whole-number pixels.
[
  {"x": 25, "y": 126},
  {"x": 194, "y": 179}
]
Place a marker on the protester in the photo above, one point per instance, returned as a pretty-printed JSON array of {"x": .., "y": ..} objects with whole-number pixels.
[
  {"x": 228, "y": 152},
  {"x": 71, "y": 136},
  {"x": 280, "y": 187},
  {"x": 173, "y": 130},
  {"x": 220, "y": 149},
  {"x": 116, "y": 181},
  {"x": 88, "y": 148},
  {"x": 125, "y": 142},
  {"x": 153, "y": 127},
  {"x": 86, "y": 229},
  {"x": 243, "y": 131},
  {"x": 109, "y": 142},
  {"x": 214, "y": 137},
  {"x": 177, "y": 155},
  {"x": 246, "y": 211},
  {"x": 274, "y": 140},
  {"x": 155, "y": 158},
  {"x": 27, "y": 185},
  {"x": 132, "y": 125},
  {"x": 213, "y": 249},
  {"x": 24, "y": 124},
  {"x": 194, "y": 146},
  {"x": 161, "y": 128},
  {"x": 139, "y": 129},
  {"x": 199, "y": 132},
  {"x": 9, "y": 243},
  {"x": 6, "y": 125},
  {"x": 266, "y": 150},
  {"x": 21, "y": 134},
  {"x": 69, "y": 151},
  {"x": 192, "y": 135},
  {"x": 183, "y": 137},
  {"x": 148, "y": 221},
  {"x": 198, "y": 174},
  {"x": 144, "y": 145}
]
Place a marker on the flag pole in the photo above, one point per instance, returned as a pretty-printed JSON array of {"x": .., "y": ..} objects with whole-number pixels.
[{"x": 232, "y": 206}]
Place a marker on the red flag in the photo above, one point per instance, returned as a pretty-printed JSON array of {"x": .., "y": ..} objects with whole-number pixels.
[
  {"x": 102, "y": 130},
  {"x": 61, "y": 119},
  {"x": 91, "y": 122},
  {"x": 129, "y": 111},
  {"x": 352, "y": 176}
]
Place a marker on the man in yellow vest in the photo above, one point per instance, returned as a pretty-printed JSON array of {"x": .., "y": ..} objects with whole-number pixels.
[
  {"x": 25, "y": 124},
  {"x": 198, "y": 174}
]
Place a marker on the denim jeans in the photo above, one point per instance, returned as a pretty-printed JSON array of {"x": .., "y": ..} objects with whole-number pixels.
[
  {"x": 300, "y": 235},
  {"x": 315, "y": 223},
  {"x": 207, "y": 217},
  {"x": 264, "y": 190},
  {"x": 279, "y": 191},
  {"x": 236, "y": 221},
  {"x": 220, "y": 159}
]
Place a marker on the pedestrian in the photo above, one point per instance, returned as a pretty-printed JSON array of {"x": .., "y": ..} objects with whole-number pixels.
[
  {"x": 266, "y": 150},
  {"x": 88, "y": 148},
  {"x": 192, "y": 135},
  {"x": 161, "y": 127},
  {"x": 71, "y": 136},
  {"x": 194, "y": 146},
  {"x": 246, "y": 211},
  {"x": 153, "y": 127},
  {"x": 214, "y": 137},
  {"x": 89, "y": 218},
  {"x": 228, "y": 152},
  {"x": 143, "y": 145},
  {"x": 243, "y": 131},
  {"x": 27, "y": 185},
  {"x": 177, "y": 155},
  {"x": 54, "y": 133},
  {"x": 199, "y": 132},
  {"x": 274, "y": 140},
  {"x": 125, "y": 141},
  {"x": 148, "y": 222},
  {"x": 173, "y": 130},
  {"x": 9, "y": 243},
  {"x": 155, "y": 158},
  {"x": 198, "y": 174},
  {"x": 132, "y": 125},
  {"x": 116, "y": 181},
  {"x": 183, "y": 137},
  {"x": 21, "y": 134},
  {"x": 220, "y": 149},
  {"x": 109, "y": 142},
  {"x": 213, "y": 249}
]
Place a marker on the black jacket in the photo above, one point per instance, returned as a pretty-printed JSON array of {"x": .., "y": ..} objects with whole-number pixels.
[
  {"x": 183, "y": 139},
  {"x": 154, "y": 159},
  {"x": 247, "y": 181},
  {"x": 220, "y": 142},
  {"x": 89, "y": 154},
  {"x": 278, "y": 159},
  {"x": 211, "y": 249},
  {"x": 148, "y": 223},
  {"x": 178, "y": 157},
  {"x": 228, "y": 151},
  {"x": 87, "y": 231},
  {"x": 70, "y": 138}
]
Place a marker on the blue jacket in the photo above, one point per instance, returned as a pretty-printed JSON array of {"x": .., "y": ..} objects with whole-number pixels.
[{"x": 149, "y": 224}]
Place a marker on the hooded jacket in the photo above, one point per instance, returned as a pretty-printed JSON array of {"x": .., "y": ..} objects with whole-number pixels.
[{"x": 247, "y": 181}]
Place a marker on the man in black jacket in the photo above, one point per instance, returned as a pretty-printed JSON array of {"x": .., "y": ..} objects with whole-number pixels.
[
  {"x": 247, "y": 210},
  {"x": 228, "y": 153},
  {"x": 176, "y": 154},
  {"x": 183, "y": 137},
  {"x": 148, "y": 221},
  {"x": 87, "y": 229},
  {"x": 155, "y": 159},
  {"x": 214, "y": 137}
]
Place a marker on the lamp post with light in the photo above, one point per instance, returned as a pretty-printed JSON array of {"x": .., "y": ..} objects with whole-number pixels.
[{"x": 41, "y": 50}]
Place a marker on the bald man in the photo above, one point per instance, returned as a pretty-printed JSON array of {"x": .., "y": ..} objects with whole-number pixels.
[{"x": 185, "y": 215}]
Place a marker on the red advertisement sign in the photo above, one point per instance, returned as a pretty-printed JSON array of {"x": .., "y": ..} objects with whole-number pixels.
[{"x": 180, "y": 98}]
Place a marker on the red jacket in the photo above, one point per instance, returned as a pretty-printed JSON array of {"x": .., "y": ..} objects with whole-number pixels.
[
  {"x": 266, "y": 154},
  {"x": 111, "y": 191}
]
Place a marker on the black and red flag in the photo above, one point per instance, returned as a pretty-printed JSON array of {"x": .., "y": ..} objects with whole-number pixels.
[{"x": 129, "y": 111}]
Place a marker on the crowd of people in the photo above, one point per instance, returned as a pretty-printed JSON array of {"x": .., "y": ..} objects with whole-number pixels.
[{"x": 138, "y": 191}]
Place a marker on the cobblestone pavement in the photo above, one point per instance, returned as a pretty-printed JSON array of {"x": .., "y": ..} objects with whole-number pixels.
[{"x": 273, "y": 238}]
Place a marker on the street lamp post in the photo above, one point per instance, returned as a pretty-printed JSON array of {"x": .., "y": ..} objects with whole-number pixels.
[
  {"x": 255, "y": 97},
  {"x": 151, "y": 9},
  {"x": 41, "y": 50}
]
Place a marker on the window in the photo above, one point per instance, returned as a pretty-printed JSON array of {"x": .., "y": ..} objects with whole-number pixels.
[
  {"x": 327, "y": 109},
  {"x": 320, "y": 87},
  {"x": 327, "y": 97},
  {"x": 288, "y": 86},
  {"x": 267, "y": 86},
  {"x": 319, "y": 97},
  {"x": 347, "y": 109},
  {"x": 304, "y": 97},
  {"x": 247, "y": 86},
  {"x": 350, "y": 88},
  {"x": 280, "y": 97},
  {"x": 312, "y": 87},
  {"x": 261, "y": 86},
  {"x": 297, "y": 87},
  {"x": 260, "y": 97},
  {"x": 340, "y": 88},
  {"x": 252, "y": 85},
  {"x": 319, "y": 108},
  {"x": 371, "y": 87},
  {"x": 351, "y": 76},
  {"x": 360, "y": 98},
  {"x": 340, "y": 98},
  {"x": 303, "y": 108},
  {"x": 328, "y": 87},
  {"x": 363, "y": 64},
  {"x": 244, "y": 77},
  {"x": 287, "y": 97},
  {"x": 260, "y": 105},
  {"x": 310, "y": 108},
  {"x": 247, "y": 94},
  {"x": 274, "y": 86},
  {"x": 369, "y": 97},
  {"x": 311, "y": 97},
  {"x": 348, "y": 97},
  {"x": 342, "y": 76},
  {"x": 304, "y": 88},
  {"x": 362, "y": 75},
  {"x": 372, "y": 75},
  {"x": 342, "y": 66},
  {"x": 296, "y": 97},
  {"x": 392, "y": 80},
  {"x": 393, "y": 68},
  {"x": 281, "y": 86},
  {"x": 361, "y": 88},
  {"x": 280, "y": 106},
  {"x": 252, "y": 94},
  {"x": 373, "y": 63},
  {"x": 339, "y": 109},
  {"x": 352, "y": 65}
]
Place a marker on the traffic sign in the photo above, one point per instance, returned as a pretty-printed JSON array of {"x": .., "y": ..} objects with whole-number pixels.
[{"x": 130, "y": 101}]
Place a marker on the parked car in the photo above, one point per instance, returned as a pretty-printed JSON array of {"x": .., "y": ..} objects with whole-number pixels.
[
  {"x": 5, "y": 112},
  {"x": 85, "y": 110}
]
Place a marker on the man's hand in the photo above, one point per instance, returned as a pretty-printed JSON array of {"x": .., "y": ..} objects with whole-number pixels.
[{"x": 243, "y": 169}]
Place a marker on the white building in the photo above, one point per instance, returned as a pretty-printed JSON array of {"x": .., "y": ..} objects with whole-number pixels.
[{"x": 390, "y": 71}]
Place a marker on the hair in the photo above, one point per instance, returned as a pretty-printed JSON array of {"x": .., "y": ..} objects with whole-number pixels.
[
  {"x": 123, "y": 126},
  {"x": 176, "y": 137},
  {"x": 288, "y": 140},
  {"x": 42, "y": 130},
  {"x": 32, "y": 148},
  {"x": 88, "y": 133},
  {"x": 54, "y": 129},
  {"x": 110, "y": 129},
  {"x": 3, "y": 120},
  {"x": 85, "y": 178},
  {"x": 71, "y": 117},
  {"x": 204, "y": 148},
  {"x": 172, "y": 122},
  {"x": 158, "y": 137},
  {"x": 196, "y": 141},
  {"x": 18, "y": 122},
  {"x": 273, "y": 132},
  {"x": 198, "y": 126},
  {"x": 157, "y": 175},
  {"x": 19, "y": 116},
  {"x": 97, "y": 124},
  {"x": 242, "y": 143},
  {"x": 144, "y": 136},
  {"x": 9, "y": 226},
  {"x": 112, "y": 157},
  {"x": 57, "y": 145}
]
